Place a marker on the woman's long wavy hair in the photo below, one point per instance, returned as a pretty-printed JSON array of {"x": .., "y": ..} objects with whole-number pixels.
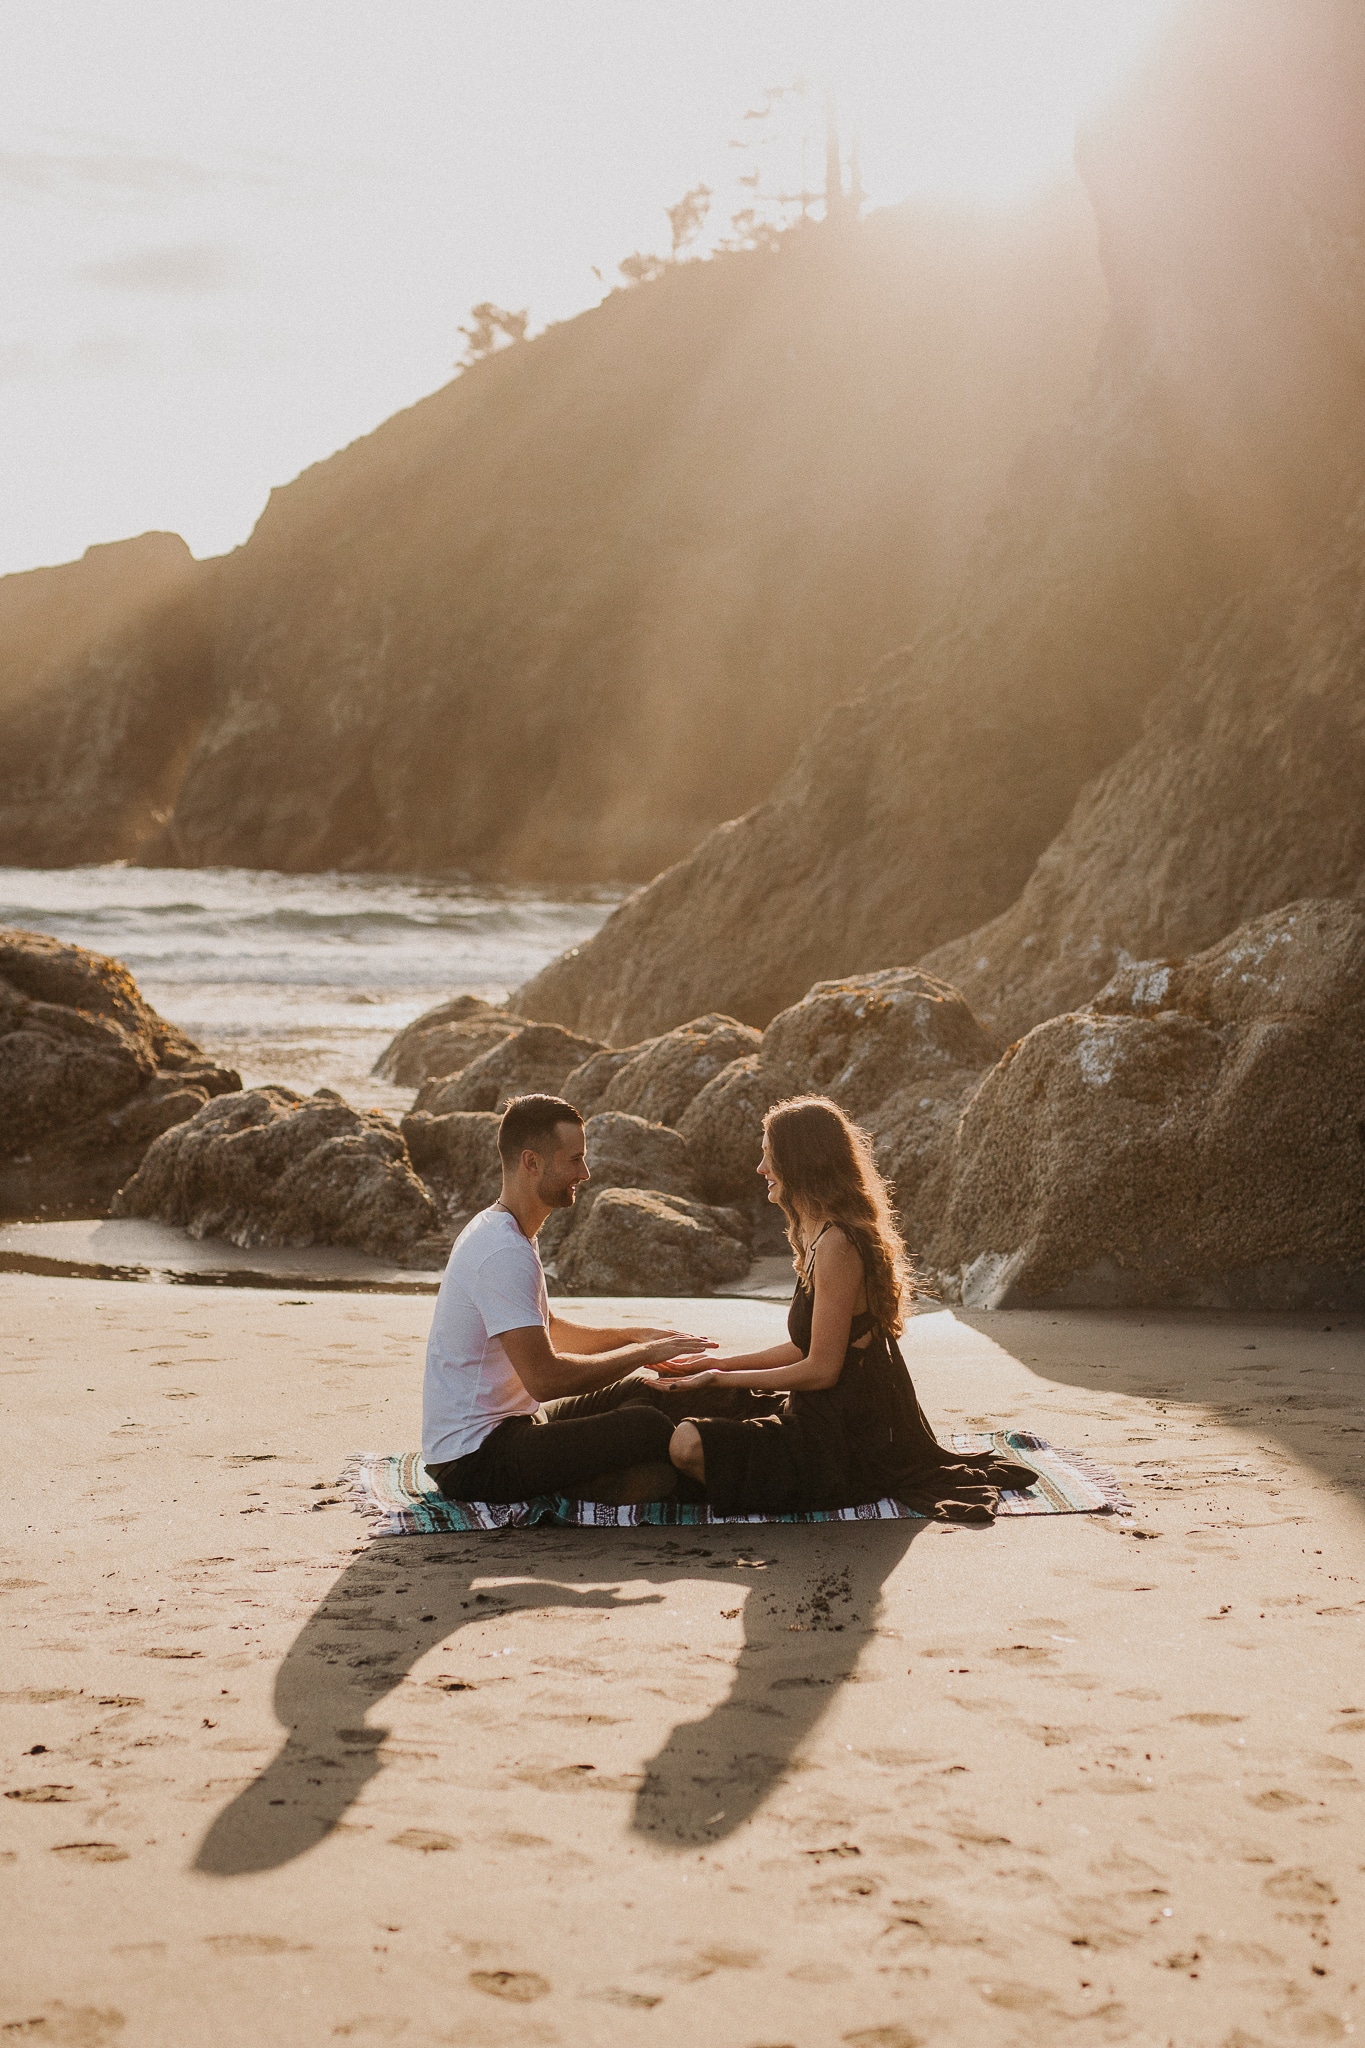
[{"x": 826, "y": 1168}]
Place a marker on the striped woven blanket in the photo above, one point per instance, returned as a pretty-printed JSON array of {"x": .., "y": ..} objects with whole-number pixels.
[{"x": 395, "y": 1491}]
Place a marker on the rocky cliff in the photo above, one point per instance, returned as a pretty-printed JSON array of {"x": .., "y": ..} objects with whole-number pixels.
[
  {"x": 564, "y": 616},
  {"x": 103, "y": 678},
  {"x": 1217, "y": 449},
  {"x": 1243, "y": 794}
]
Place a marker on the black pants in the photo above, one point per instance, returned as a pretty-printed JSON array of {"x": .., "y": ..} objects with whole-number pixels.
[{"x": 565, "y": 1443}]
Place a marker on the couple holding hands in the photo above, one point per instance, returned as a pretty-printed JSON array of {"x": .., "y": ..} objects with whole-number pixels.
[{"x": 519, "y": 1401}]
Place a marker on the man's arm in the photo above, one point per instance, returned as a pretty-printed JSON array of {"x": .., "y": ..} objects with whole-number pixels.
[
  {"x": 579, "y": 1340},
  {"x": 548, "y": 1373}
]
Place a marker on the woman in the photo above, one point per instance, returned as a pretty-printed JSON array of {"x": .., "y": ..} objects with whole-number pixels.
[{"x": 846, "y": 1426}]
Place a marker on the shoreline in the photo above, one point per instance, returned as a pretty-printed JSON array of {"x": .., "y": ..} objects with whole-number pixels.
[{"x": 141, "y": 1253}]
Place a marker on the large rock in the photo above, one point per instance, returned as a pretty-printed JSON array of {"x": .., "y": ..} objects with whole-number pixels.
[
  {"x": 563, "y": 616},
  {"x": 664, "y": 1075},
  {"x": 622, "y": 1152},
  {"x": 901, "y": 1053},
  {"x": 457, "y": 1158},
  {"x": 723, "y": 1126},
  {"x": 898, "y": 1051},
  {"x": 864, "y": 1040},
  {"x": 587, "y": 1084},
  {"x": 1243, "y": 794},
  {"x": 443, "y": 1041},
  {"x": 625, "y": 1151},
  {"x": 634, "y": 1241},
  {"x": 534, "y": 1060},
  {"x": 89, "y": 1076},
  {"x": 1194, "y": 1138},
  {"x": 1214, "y": 448},
  {"x": 272, "y": 1167}
]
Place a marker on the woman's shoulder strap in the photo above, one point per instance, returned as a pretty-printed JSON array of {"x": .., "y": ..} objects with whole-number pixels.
[
  {"x": 810, "y": 1255},
  {"x": 845, "y": 1233}
]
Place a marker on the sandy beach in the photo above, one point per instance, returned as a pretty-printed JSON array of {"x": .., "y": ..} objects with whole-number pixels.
[{"x": 1073, "y": 1777}]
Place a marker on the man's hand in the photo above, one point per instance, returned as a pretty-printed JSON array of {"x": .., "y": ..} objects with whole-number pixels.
[
  {"x": 673, "y": 1349},
  {"x": 647, "y": 1336},
  {"x": 547, "y": 1373}
]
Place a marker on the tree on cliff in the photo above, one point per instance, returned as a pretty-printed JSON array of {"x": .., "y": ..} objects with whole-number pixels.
[
  {"x": 641, "y": 268},
  {"x": 490, "y": 326},
  {"x": 688, "y": 217}
]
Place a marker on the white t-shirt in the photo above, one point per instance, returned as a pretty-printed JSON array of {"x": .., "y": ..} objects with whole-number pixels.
[{"x": 493, "y": 1282}]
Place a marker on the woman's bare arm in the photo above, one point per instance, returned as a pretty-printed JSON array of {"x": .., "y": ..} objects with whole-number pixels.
[{"x": 838, "y": 1276}]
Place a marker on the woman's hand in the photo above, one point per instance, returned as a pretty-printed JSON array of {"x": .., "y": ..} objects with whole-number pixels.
[
  {"x": 708, "y": 1376},
  {"x": 686, "y": 1366}
]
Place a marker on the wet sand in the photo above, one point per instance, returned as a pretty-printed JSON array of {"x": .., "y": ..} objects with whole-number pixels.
[{"x": 1066, "y": 1779}]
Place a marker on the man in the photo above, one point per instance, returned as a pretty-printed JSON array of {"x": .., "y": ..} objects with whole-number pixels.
[{"x": 517, "y": 1401}]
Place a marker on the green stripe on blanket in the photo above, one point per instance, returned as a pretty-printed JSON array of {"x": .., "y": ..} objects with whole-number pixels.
[{"x": 396, "y": 1491}]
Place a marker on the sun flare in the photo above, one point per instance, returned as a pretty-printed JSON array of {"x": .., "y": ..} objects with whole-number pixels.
[{"x": 218, "y": 271}]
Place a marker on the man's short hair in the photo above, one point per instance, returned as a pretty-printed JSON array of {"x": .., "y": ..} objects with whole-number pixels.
[{"x": 528, "y": 1123}]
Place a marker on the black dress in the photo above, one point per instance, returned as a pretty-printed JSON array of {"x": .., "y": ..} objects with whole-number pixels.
[{"x": 863, "y": 1439}]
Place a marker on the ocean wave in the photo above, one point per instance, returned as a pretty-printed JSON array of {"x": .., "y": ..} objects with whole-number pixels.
[{"x": 277, "y": 950}]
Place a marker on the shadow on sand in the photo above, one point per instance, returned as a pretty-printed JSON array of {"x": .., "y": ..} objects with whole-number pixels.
[
  {"x": 1294, "y": 1378},
  {"x": 813, "y": 1598},
  {"x": 808, "y": 1612}
]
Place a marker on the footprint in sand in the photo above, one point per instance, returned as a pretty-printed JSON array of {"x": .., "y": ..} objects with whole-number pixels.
[
  {"x": 702, "y": 1963},
  {"x": 427, "y": 1840},
  {"x": 847, "y": 1890},
  {"x": 1018, "y": 1998},
  {"x": 257, "y": 1945},
  {"x": 883, "y": 2037},
  {"x": 1300, "y": 1888},
  {"x": 523, "y": 1987},
  {"x": 68, "y": 2026}
]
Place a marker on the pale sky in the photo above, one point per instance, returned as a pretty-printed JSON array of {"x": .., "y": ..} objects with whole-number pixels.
[{"x": 236, "y": 234}]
